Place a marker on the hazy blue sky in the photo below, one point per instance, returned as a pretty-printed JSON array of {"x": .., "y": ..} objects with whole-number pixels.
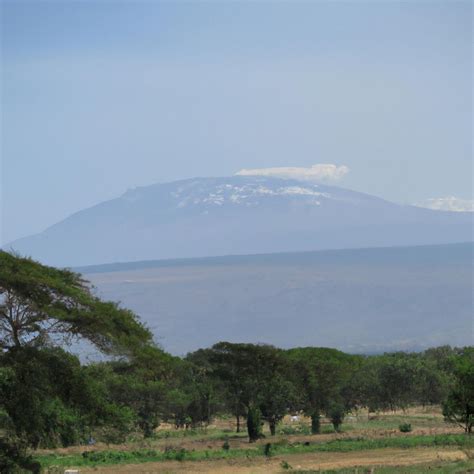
[{"x": 98, "y": 97}]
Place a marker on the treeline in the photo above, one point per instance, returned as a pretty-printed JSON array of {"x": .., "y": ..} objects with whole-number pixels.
[{"x": 48, "y": 398}]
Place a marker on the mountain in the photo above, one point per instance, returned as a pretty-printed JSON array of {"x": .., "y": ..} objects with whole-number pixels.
[
  {"x": 366, "y": 300},
  {"x": 237, "y": 215}
]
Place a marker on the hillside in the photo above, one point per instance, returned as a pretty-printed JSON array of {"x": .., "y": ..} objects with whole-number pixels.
[
  {"x": 365, "y": 300},
  {"x": 237, "y": 215}
]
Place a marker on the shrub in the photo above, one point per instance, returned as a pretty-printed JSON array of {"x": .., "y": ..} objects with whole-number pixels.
[
  {"x": 13, "y": 459},
  {"x": 405, "y": 427},
  {"x": 175, "y": 454},
  {"x": 300, "y": 429},
  {"x": 267, "y": 449},
  {"x": 226, "y": 445}
]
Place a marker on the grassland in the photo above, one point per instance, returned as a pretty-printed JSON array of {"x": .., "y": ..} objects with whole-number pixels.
[{"x": 364, "y": 445}]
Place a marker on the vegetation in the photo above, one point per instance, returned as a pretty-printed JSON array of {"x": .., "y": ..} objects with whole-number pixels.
[
  {"x": 49, "y": 399},
  {"x": 459, "y": 405},
  {"x": 265, "y": 450}
]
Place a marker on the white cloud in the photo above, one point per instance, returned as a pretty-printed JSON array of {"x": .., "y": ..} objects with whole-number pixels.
[
  {"x": 449, "y": 203},
  {"x": 320, "y": 172}
]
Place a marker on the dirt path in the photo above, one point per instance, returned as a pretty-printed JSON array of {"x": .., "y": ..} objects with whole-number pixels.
[{"x": 386, "y": 457}]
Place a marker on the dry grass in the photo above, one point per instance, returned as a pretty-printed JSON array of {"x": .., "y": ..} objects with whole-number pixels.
[{"x": 317, "y": 461}]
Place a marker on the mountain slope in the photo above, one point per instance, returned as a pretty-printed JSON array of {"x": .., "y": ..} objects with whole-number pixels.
[
  {"x": 237, "y": 215},
  {"x": 363, "y": 300}
]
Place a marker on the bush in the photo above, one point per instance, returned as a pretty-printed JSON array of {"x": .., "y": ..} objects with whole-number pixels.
[
  {"x": 300, "y": 429},
  {"x": 226, "y": 445},
  {"x": 107, "y": 456},
  {"x": 13, "y": 459},
  {"x": 405, "y": 427},
  {"x": 267, "y": 449},
  {"x": 175, "y": 454}
]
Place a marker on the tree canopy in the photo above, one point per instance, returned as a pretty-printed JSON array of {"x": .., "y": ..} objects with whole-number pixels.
[{"x": 40, "y": 305}]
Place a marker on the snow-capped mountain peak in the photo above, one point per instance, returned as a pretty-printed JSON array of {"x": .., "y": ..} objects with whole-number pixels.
[{"x": 237, "y": 215}]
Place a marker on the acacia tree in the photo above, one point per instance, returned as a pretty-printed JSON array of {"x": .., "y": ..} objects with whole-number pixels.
[
  {"x": 45, "y": 396},
  {"x": 321, "y": 375},
  {"x": 40, "y": 305},
  {"x": 254, "y": 375}
]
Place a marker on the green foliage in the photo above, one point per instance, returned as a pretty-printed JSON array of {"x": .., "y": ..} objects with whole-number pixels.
[
  {"x": 276, "y": 449},
  {"x": 46, "y": 397},
  {"x": 49, "y": 399},
  {"x": 251, "y": 376},
  {"x": 459, "y": 405},
  {"x": 34, "y": 401},
  {"x": 254, "y": 424},
  {"x": 298, "y": 429},
  {"x": 405, "y": 427},
  {"x": 322, "y": 377},
  {"x": 336, "y": 412},
  {"x": 40, "y": 305},
  {"x": 398, "y": 380},
  {"x": 267, "y": 450},
  {"x": 140, "y": 385},
  {"x": 315, "y": 422},
  {"x": 15, "y": 460}
]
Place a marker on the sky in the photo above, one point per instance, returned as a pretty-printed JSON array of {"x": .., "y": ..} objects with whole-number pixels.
[{"x": 100, "y": 97}]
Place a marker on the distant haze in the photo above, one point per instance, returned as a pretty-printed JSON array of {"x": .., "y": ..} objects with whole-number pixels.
[
  {"x": 366, "y": 300},
  {"x": 100, "y": 97}
]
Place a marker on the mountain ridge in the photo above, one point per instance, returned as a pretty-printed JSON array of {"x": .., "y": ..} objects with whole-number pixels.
[
  {"x": 200, "y": 217},
  {"x": 400, "y": 253}
]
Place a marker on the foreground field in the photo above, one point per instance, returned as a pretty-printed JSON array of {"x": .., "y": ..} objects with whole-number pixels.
[
  {"x": 374, "y": 445},
  {"x": 421, "y": 459}
]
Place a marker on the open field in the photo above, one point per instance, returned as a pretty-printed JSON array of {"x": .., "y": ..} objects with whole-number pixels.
[
  {"x": 418, "y": 459},
  {"x": 363, "y": 443}
]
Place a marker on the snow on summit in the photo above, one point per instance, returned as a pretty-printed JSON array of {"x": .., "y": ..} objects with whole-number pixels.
[{"x": 248, "y": 193}]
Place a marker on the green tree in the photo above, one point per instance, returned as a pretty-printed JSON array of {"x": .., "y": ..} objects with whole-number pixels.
[
  {"x": 320, "y": 376},
  {"x": 390, "y": 381},
  {"x": 254, "y": 376},
  {"x": 47, "y": 398},
  {"x": 459, "y": 405},
  {"x": 140, "y": 384},
  {"x": 277, "y": 397},
  {"x": 204, "y": 392},
  {"x": 40, "y": 305}
]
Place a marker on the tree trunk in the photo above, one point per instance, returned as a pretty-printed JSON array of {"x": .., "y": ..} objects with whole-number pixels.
[
  {"x": 315, "y": 423},
  {"x": 272, "y": 424},
  {"x": 237, "y": 417},
  {"x": 253, "y": 424}
]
